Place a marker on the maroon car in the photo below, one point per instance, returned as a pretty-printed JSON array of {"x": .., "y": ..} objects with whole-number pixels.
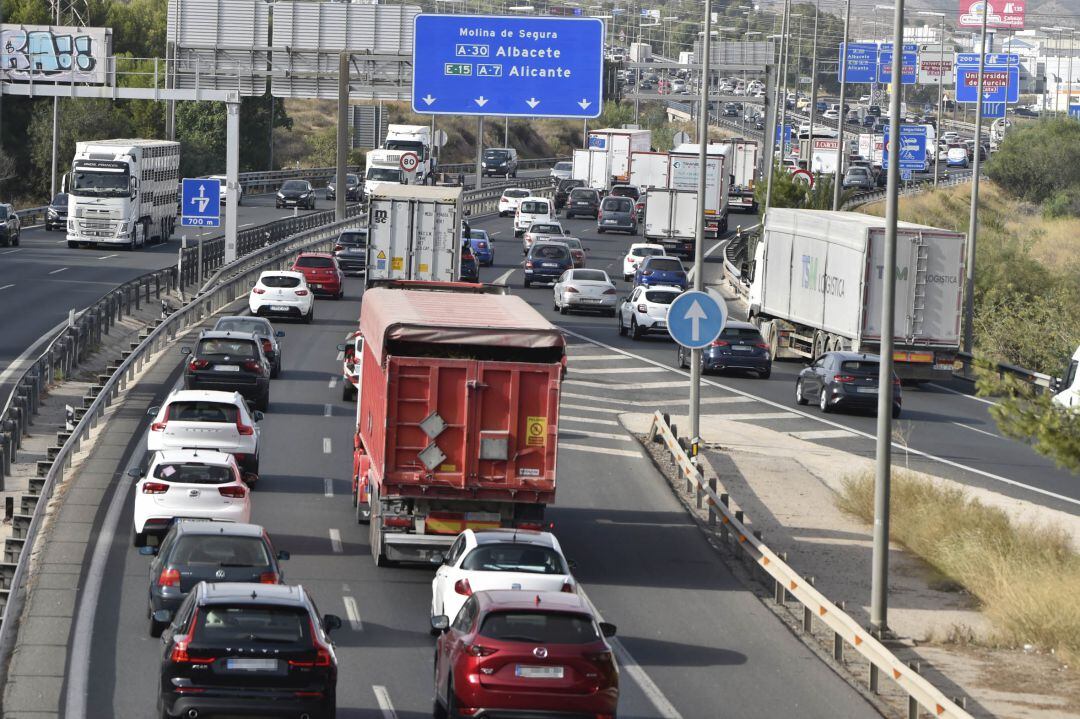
[{"x": 518, "y": 651}]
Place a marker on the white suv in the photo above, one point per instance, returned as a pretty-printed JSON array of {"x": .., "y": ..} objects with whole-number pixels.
[
  {"x": 645, "y": 310},
  {"x": 207, "y": 419},
  {"x": 532, "y": 209},
  {"x": 281, "y": 293}
]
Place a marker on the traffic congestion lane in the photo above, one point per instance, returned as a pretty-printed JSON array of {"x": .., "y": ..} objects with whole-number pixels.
[{"x": 946, "y": 432}]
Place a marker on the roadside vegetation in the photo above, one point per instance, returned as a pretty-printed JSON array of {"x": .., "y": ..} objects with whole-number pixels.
[{"x": 1025, "y": 577}]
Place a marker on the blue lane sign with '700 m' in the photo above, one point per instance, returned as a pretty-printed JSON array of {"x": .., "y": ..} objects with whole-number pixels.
[
  {"x": 517, "y": 66},
  {"x": 695, "y": 319},
  {"x": 200, "y": 203}
]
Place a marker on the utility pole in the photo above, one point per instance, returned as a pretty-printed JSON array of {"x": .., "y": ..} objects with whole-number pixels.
[
  {"x": 813, "y": 94},
  {"x": 778, "y": 106},
  {"x": 340, "y": 186},
  {"x": 838, "y": 178},
  {"x": 784, "y": 92},
  {"x": 973, "y": 217}
]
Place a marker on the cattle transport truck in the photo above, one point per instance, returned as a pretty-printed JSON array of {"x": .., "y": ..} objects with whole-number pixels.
[
  {"x": 457, "y": 417},
  {"x": 817, "y": 280},
  {"x": 122, "y": 192}
]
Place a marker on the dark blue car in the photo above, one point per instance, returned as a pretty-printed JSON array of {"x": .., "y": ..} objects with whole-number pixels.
[
  {"x": 661, "y": 270},
  {"x": 739, "y": 347},
  {"x": 546, "y": 262},
  {"x": 482, "y": 247}
]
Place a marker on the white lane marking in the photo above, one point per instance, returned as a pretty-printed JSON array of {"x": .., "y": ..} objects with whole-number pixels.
[
  {"x": 328, "y": 487},
  {"x": 496, "y": 233},
  {"x": 326, "y": 445},
  {"x": 588, "y": 420},
  {"x": 8, "y": 252},
  {"x": 62, "y": 269},
  {"x": 822, "y": 434},
  {"x": 980, "y": 431},
  {"x": 628, "y": 664},
  {"x": 501, "y": 280},
  {"x": 837, "y": 425},
  {"x": 587, "y": 408},
  {"x": 328, "y": 410},
  {"x": 935, "y": 385},
  {"x": 353, "y": 614},
  {"x": 597, "y": 435},
  {"x": 599, "y": 450},
  {"x": 385, "y": 705},
  {"x": 247, "y": 224},
  {"x": 614, "y": 370},
  {"x": 340, "y": 356},
  {"x": 572, "y": 358},
  {"x": 335, "y": 540},
  {"x": 105, "y": 257},
  {"x": 333, "y": 382},
  {"x": 627, "y": 387},
  {"x": 12, "y": 285},
  {"x": 752, "y": 416}
]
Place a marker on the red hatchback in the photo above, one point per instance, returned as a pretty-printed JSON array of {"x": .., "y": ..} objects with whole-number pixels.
[
  {"x": 322, "y": 273},
  {"x": 520, "y": 653}
]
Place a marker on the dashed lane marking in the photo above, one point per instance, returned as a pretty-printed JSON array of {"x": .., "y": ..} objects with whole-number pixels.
[
  {"x": 353, "y": 614},
  {"x": 597, "y": 435},
  {"x": 335, "y": 540},
  {"x": 340, "y": 356},
  {"x": 962, "y": 394},
  {"x": 326, "y": 445},
  {"x": 6, "y": 286},
  {"x": 822, "y": 434},
  {"x": 627, "y": 387},
  {"x": 328, "y": 487},
  {"x": 105, "y": 257},
  {"x": 753, "y": 416},
  {"x": 8, "y": 252},
  {"x": 572, "y": 358},
  {"x": 976, "y": 429},
  {"x": 598, "y": 450},
  {"x": 62, "y": 269},
  {"x": 385, "y": 705},
  {"x": 328, "y": 410},
  {"x": 333, "y": 382},
  {"x": 615, "y": 370},
  {"x": 588, "y": 420}
]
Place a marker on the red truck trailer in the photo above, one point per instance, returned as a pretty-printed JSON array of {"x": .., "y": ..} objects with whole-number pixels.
[{"x": 457, "y": 417}]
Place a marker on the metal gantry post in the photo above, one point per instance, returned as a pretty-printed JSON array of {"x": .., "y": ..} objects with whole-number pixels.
[
  {"x": 342, "y": 135},
  {"x": 838, "y": 178},
  {"x": 973, "y": 217},
  {"x": 771, "y": 80},
  {"x": 232, "y": 170},
  {"x": 813, "y": 94},
  {"x": 479, "y": 150}
]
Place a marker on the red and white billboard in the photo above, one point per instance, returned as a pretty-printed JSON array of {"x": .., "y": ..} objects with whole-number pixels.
[{"x": 1002, "y": 14}]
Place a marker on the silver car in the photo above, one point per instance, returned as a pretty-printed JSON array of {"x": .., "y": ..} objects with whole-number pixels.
[
  {"x": 562, "y": 171},
  {"x": 617, "y": 214},
  {"x": 581, "y": 289}
]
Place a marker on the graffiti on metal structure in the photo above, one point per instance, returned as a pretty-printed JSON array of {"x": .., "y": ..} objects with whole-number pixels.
[{"x": 56, "y": 54}]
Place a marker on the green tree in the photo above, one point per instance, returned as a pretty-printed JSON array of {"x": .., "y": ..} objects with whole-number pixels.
[
  {"x": 84, "y": 119},
  {"x": 786, "y": 192},
  {"x": 1038, "y": 161},
  {"x": 1022, "y": 414},
  {"x": 614, "y": 115}
]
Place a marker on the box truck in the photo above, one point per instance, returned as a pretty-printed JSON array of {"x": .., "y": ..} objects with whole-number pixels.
[
  {"x": 648, "y": 169},
  {"x": 457, "y": 417},
  {"x": 683, "y": 167},
  {"x": 744, "y": 175},
  {"x": 640, "y": 52},
  {"x": 592, "y": 168},
  {"x": 671, "y": 219},
  {"x": 618, "y": 146},
  {"x": 414, "y": 233},
  {"x": 816, "y": 284},
  {"x": 123, "y": 192}
]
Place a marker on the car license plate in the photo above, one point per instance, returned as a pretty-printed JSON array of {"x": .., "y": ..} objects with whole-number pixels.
[
  {"x": 527, "y": 672},
  {"x": 588, "y": 301},
  {"x": 280, "y": 308},
  {"x": 227, "y": 367},
  {"x": 661, "y": 323},
  {"x": 867, "y": 390},
  {"x": 315, "y": 286},
  {"x": 251, "y": 665},
  {"x": 550, "y": 264},
  {"x": 610, "y": 222},
  {"x": 741, "y": 348}
]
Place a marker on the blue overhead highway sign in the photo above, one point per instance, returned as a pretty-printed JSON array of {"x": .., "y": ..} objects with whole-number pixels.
[
  {"x": 909, "y": 67},
  {"x": 695, "y": 319},
  {"x": 517, "y": 66},
  {"x": 200, "y": 203},
  {"x": 862, "y": 60},
  {"x": 1001, "y": 77},
  {"x": 912, "y": 148}
]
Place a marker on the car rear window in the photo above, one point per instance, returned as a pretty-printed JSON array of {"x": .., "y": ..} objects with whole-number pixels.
[
  {"x": 618, "y": 204},
  {"x": 516, "y": 193},
  {"x": 646, "y": 251},
  {"x": 243, "y": 325},
  {"x": 665, "y": 264},
  {"x": 551, "y": 252},
  {"x": 660, "y": 297},
  {"x": 741, "y": 333},
  {"x": 545, "y": 229},
  {"x": 219, "y": 549},
  {"x": 202, "y": 412},
  {"x": 230, "y": 625},
  {"x": 539, "y": 628},
  {"x": 564, "y": 166},
  {"x": 352, "y": 238},
  {"x": 514, "y": 558},
  {"x": 194, "y": 473},
  {"x": 860, "y": 366},
  {"x": 238, "y": 348},
  {"x": 625, "y": 191},
  {"x": 591, "y": 275},
  {"x": 295, "y": 185},
  {"x": 280, "y": 281},
  {"x": 534, "y": 208},
  {"x": 310, "y": 261},
  {"x": 581, "y": 193}
]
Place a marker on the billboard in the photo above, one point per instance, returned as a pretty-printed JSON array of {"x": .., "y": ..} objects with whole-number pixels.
[
  {"x": 42, "y": 53},
  {"x": 1001, "y": 14}
]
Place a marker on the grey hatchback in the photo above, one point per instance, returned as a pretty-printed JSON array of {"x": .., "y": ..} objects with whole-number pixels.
[{"x": 617, "y": 214}]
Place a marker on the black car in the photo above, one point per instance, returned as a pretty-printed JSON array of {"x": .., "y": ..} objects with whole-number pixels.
[
  {"x": 873, "y": 110},
  {"x": 229, "y": 362},
  {"x": 500, "y": 161},
  {"x": 563, "y": 190},
  {"x": 10, "y": 225},
  {"x": 844, "y": 380},
  {"x": 546, "y": 261},
  {"x": 56, "y": 215},
  {"x": 194, "y": 551},
  {"x": 740, "y": 346},
  {"x": 625, "y": 191},
  {"x": 352, "y": 188},
  {"x": 470, "y": 271},
  {"x": 296, "y": 193},
  {"x": 261, "y": 328},
  {"x": 583, "y": 201},
  {"x": 247, "y": 648},
  {"x": 731, "y": 109},
  {"x": 351, "y": 251}
]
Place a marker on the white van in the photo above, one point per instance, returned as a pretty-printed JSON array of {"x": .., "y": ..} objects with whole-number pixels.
[
  {"x": 532, "y": 209},
  {"x": 1068, "y": 389}
]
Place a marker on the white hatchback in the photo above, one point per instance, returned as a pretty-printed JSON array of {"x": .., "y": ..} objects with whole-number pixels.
[
  {"x": 280, "y": 293},
  {"x": 207, "y": 419},
  {"x": 532, "y": 209},
  {"x": 511, "y": 198},
  {"x": 637, "y": 252},
  {"x": 188, "y": 484},
  {"x": 499, "y": 559}
]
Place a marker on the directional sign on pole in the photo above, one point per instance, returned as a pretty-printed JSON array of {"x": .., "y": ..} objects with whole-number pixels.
[
  {"x": 516, "y": 66},
  {"x": 1074, "y": 111},
  {"x": 200, "y": 203},
  {"x": 695, "y": 319},
  {"x": 1001, "y": 77},
  {"x": 909, "y": 74},
  {"x": 912, "y": 148},
  {"x": 862, "y": 61}
]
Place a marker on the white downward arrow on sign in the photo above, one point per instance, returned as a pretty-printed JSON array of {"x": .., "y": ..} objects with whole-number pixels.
[
  {"x": 584, "y": 104},
  {"x": 532, "y": 102},
  {"x": 428, "y": 98},
  {"x": 695, "y": 314},
  {"x": 481, "y": 101}
]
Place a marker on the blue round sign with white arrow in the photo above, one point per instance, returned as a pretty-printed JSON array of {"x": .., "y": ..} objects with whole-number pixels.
[{"x": 695, "y": 319}]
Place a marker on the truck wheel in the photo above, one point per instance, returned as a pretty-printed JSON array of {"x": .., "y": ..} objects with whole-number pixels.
[
  {"x": 73, "y": 245},
  {"x": 599, "y": 230}
]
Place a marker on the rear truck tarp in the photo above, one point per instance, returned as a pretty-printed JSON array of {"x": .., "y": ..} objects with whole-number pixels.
[
  {"x": 744, "y": 175},
  {"x": 414, "y": 233},
  {"x": 457, "y": 417},
  {"x": 671, "y": 219},
  {"x": 591, "y": 167},
  {"x": 817, "y": 280},
  {"x": 619, "y": 145}
]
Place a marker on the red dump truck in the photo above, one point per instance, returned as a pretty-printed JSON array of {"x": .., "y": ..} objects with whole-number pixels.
[{"x": 457, "y": 417}]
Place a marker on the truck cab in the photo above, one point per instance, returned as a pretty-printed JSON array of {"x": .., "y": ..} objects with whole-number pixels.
[
  {"x": 383, "y": 167},
  {"x": 1068, "y": 388},
  {"x": 415, "y": 139}
]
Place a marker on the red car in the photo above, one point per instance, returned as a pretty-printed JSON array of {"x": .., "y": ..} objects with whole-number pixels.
[
  {"x": 322, "y": 273},
  {"x": 516, "y": 651}
]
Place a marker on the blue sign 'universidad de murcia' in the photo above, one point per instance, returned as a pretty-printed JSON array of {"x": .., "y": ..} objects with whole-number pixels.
[{"x": 517, "y": 66}]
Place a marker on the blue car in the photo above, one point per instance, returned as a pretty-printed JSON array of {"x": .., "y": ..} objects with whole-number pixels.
[
  {"x": 868, "y": 120},
  {"x": 482, "y": 247},
  {"x": 661, "y": 270},
  {"x": 546, "y": 262}
]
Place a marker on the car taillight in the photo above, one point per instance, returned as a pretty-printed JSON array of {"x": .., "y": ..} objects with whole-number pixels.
[
  {"x": 160, "y": 426},
  {"x": 646, "y": 273},
  {"x": 720, "y": 343},
  {"x": 599, "y": 214},
  {"x": 267, "y": 347},
  {"x": 482, "y": 245},
  {"x": 529, "y": 264},
  {"x": 154, "y": 488},
  {"x": 253, "y": 366},
  {"x": 322, "y": 653},
  {"x": 301, "y": 293},
  {"x": 198, "y": 364},
  {"x": 896, "y": 381},
  {"x": 568, "y": 586},
  {"x": 462, "y": 587},
  {"x": 338, "y": 248},
  {"x": 268, "y": 578},
  {"x": 479, "y": 650},
  {"x": 169, "y": 578},
  {"x": 572, "y": 289},
  {"x": 258, "y": 291},
  {"x": 761, "y": 345},
  {"x": 610, "y": 291},
  {"x": 843, "y": 378},
  {"x": 244, "y": 430},
  {"x": 398, "y": 522},
  {"x": 642, "y": 308},
  {"x": 234, "y": 491}
]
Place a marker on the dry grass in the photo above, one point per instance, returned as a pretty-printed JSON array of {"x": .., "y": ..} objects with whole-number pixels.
[{"x": 1027, "y": 578}]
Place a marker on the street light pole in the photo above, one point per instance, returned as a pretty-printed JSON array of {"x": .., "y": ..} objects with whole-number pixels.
[
  {"x": 837, "y": 180},
  {"x": 779, "y": 103},
  {"x": 699, "y": 232},
  {"x": 941, "y": 83},
  {"x": 973, "y": 217},
  {"x": 813, "y": 93},
  {"x": 784, "y": 92}
]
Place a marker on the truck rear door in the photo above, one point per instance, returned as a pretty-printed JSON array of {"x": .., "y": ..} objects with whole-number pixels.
[{"x": 438, "y": 242}]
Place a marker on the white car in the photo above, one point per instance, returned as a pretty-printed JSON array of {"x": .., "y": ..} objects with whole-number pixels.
[
  {"x": 511, "y": 198},
  {"x": 584, "y": 290},
  {"x": 562, "y": 171},
  {"x": 192, "y": 484},
  {"x": 830, "y": 115},
  {"x": 499, "y": 559},
  {"x": 207, "y": 419},
  {"x": 645, "y": 310},
  {"x": 532, "y": 209},
  {"x": 543, "y": 229},
  {"x": 281, "y": 293},
  {"x": 637, "y": 252},
  {"x": 223, "y": 191}
]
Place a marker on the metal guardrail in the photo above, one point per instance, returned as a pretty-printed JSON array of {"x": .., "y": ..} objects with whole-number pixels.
[{"x": 922, "y": 695}]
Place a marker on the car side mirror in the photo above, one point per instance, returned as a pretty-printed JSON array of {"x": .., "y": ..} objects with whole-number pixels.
[
  {"x": 440, "y": 623},
  {"x": 152, "y": 412},
  {"x": 571, "y": 563},
  {"x": 438, "y": 558},
  {"x": 148, "y": 551},
  {"x": 1055, "y": 385},
  {"x": 185, "y": 350},
  {"x": 135, "y": 472},
  {"x": 342, "y": 348},
  {"x": 250, "y": 478},
  {"x": 258, "y": 416},
  {"x": 279, "y": 333},
  {"x": 607, "y": 629},
  {"x": 283, "y": 556},
  {"x": 163, "y": 616},
  {"x": 331, "y": 622}
]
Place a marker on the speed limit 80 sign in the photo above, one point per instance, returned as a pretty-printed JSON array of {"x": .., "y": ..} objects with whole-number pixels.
[{"x": 409, "y": 161}]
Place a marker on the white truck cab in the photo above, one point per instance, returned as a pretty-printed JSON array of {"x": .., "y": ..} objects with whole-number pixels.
[
  {"x": 383, "y": 168},
  {"x": 414, "y": 139},
  {"x": 1068, "y": 394}
]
